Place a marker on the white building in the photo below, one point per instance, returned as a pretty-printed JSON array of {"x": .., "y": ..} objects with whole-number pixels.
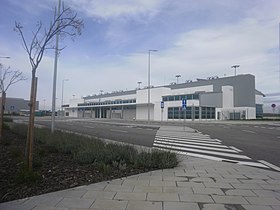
[{"x": 206, "y": 99}]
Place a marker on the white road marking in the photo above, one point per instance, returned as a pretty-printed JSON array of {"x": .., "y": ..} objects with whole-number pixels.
[
  {"x": 186, "y": 137},
  {"x": 278, "y": 137},
  {"x": 210, "y": 144},
  {"x": 256, "y": 164},
  {"x": 204, "y": 151},
  {"x": 234, "y": 148},
  {"x": 249, "y": 131},
  {"x": 121, "y": 131},
  {"x": 211, "y": 141},
  {"x": 195, "y": 146},
  {"x": 270, "y": 165}
]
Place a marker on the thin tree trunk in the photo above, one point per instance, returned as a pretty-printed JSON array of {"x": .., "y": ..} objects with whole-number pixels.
[
  {"x": 3, "y": 100},
  {"x": 30, "y": 134}
]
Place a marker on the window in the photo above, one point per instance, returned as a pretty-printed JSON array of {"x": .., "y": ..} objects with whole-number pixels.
[
  {"x": 170, "y": 113},
  {"x": 171, "y": 98}
]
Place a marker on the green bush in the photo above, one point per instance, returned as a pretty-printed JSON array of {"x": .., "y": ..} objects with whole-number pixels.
[
  {"x": 87, "y": 150},
  {"x": 26, "y": 176}
]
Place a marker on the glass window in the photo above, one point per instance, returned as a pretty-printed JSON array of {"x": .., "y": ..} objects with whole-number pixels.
[
  {"x": 171, "y": 98},
  {"x": 177, "y": 98},
  {"x": 189, "y": 96},
  {"x": 164, "y": 98},
  {"x": 195, "y": 96},
  {"x": 196, "y": 112},
  {"x": 176, "y": 112},
  {"x": 170, "y": 113}
]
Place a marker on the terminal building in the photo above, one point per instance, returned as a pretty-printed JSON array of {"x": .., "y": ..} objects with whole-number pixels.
[{"x": 227, "y": 98}]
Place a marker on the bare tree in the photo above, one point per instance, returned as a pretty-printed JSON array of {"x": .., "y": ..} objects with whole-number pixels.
[
  {"x": 65, "y": 23},
  {"x": 8, "y": 78}
]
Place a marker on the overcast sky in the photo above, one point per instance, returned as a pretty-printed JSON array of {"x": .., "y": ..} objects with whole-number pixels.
[{"x": 194, "y": 38}]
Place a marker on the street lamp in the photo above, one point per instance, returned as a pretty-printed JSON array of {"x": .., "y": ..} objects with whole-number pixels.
[
  {"x": 64, "y": 80},
  {"x": 177, "y": 76},
  {"x": 235, "y": 67},
  {"x": 149, "y": 81},
  {"x": 139, "y": 83}
]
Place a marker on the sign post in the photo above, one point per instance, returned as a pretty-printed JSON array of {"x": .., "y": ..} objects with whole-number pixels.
[
  {"x": 162, "y": 107},
  {"x": 184, "y": 107}
]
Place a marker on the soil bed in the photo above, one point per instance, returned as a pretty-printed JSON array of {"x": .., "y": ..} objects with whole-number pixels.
[{"x": 53, "y": 171}]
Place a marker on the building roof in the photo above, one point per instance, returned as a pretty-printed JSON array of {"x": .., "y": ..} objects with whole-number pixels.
[{"x": 259, "y": 93}]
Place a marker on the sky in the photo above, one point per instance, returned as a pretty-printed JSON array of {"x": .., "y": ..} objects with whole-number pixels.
[{"x": 195, "y": 39}]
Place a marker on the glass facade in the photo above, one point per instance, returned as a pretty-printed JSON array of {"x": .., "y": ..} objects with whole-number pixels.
[
  {"x": 108, "y": 102},
  {"x": 191, "y": 112},
  {"x": 259, "y": 111},
  {"x": 180, "y": 97}
]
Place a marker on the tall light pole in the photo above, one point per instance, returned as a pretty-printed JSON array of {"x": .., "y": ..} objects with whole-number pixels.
[
  {"x": 64, "y": 80},
  {"x": 139, "y": 83},
  {"x": 55, "y": 70},
  {"x": 149, "y": 82},
  {"x": 177, "y": 76},
  {"x": 235, "y": 67}
]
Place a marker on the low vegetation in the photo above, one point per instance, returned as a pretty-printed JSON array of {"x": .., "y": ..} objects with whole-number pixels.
[{"x": 63, "y": 160}]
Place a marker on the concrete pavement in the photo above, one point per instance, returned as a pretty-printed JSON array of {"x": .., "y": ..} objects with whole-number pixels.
[{"x": 195, "y": 184}]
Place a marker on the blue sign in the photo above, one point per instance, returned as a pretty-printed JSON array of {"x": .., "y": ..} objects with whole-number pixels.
[
  {"x": 184, "y": 103},
  {"x": 162, "y": 104}
]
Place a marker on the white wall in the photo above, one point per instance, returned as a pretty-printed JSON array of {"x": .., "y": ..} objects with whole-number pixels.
[
  {"x": 112, "y": 98},
  {"x": 191, "y": 90},
  {"x": 259, "y": 99},
  {"x": 228, "y": 100}
]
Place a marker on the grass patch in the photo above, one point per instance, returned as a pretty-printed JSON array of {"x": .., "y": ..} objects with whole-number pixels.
[{"x": 106, "y": 156}]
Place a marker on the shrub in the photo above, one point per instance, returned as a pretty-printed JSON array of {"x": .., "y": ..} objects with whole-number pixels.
[{"x": 26, "y": 176}]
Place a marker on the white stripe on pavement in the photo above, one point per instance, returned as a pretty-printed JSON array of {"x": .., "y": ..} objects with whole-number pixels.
[
  {"x": 204, "y": 151},
  {"x": 210, "y": 144},
  {"x": 236, "y": 149},
  {"x": 270, "y": 165},
  {"x": 249, "y": 131},
  {"x": 194, "y": 146},
  {"x": 188, "y": 137}
]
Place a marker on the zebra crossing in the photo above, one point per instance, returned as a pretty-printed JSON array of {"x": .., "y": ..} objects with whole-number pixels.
[{"x": 187, "y": 141}]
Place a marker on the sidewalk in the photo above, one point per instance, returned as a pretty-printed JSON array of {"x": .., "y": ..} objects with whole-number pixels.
[{"x": 195, "y": 184}]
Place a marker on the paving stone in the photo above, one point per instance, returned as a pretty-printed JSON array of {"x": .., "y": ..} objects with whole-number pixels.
[
  {"x": 144, "y": 205},
  {"x": 116, "y": 181},
  {"x": 119, "y": 188},
  {"x": 213, "y": 175},
  {"x": 150, "y": 178},
  {"x": 6, "y": 206},
  {"x": 263, "y": 200},
  {"x": 109, "y": 204},
  {"x": 201, "y": 179},
  {"x": 75, "y": 203},
  {"x": 187, "y": 197},
  {"x": 255, "y": 207},
  {"x": 186, "y": 174},
  {"x": 234, "y": 176},
  {"x": 189, "y": 184},
  {"x": 177, "y": 189},
  {"x": 99, "y": 194},
  {"x": 270, "y": 186},
  {"x": 174, "y": 178},
  {"x": 253, "y": 181},
  {"x": 147, "y": 189},
  {"x": 207, "y": 191},
  {"x": 214, "y": 207},
  {"x": 229, "y": 181},
  {"x": 267, "y": 193},
  {"x": 136, "y": 196},
  {"x": 247, "y": 186},
  {"x": 276, "y": 207},
  {"x": 256, "y": 176},
  {"x": 163, "y": 197},
  {"x": 42, "y": 200},
  {"x": 180, "y": 206},
  {"x": 218, "y": 185},
  {"x": 70, "y": 193},
  {"x": 50, "y": 208},
  {"x": 133, "y": 177},
  {"x": 229, "y": 199},
  {"x": 273, "y": 181},
  {"x": 162, "y": 183},
  {"x": 240, "y": 192},
  {"x": 96, "y": 186},
  {"x": 136, "y": 182}
]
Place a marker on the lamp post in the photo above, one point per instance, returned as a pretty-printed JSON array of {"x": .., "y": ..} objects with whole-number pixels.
[
  {"x": 177, "y": 76},
  {"x": 149, "y": 82},
  {"x": 235, "y": 67},
  {"x": 64, "y": 80},
  {"x": 139, "y": 83}
]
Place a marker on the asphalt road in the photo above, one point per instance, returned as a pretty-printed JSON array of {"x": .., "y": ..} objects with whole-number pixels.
[
  {"x": 258, "y": 141},
  {"x": 133, "y": 134}
]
